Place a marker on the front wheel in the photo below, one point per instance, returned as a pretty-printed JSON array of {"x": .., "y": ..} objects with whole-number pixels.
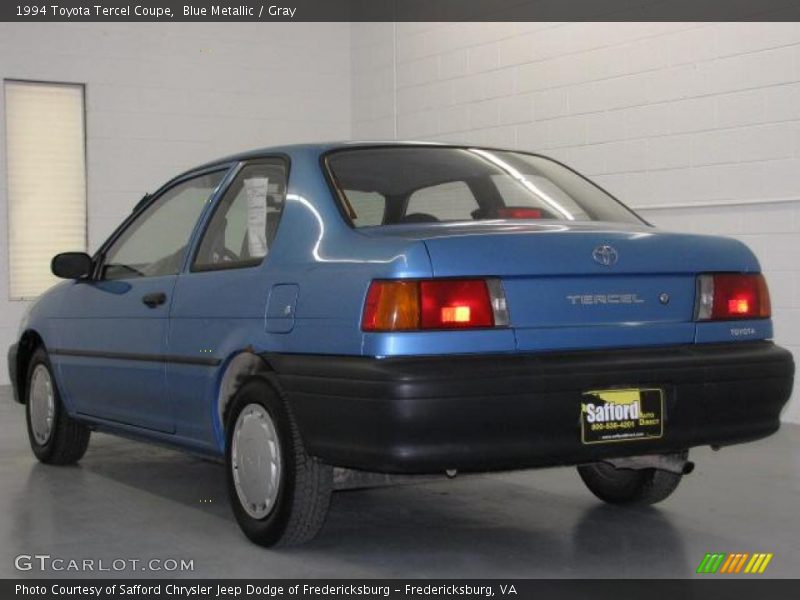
[
  {"x": 280, "y": 495},
  {"x": 55, "y": 437},
  {"x": 628, "y": 486}
]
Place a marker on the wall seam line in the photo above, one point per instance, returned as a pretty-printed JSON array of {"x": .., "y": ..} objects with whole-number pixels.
[{"x": 717, "y": 204}]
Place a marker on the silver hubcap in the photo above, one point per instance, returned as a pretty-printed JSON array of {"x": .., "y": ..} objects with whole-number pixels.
[
  {"x": 256, "y": 460},
  {"x": 42, "y": 405}
]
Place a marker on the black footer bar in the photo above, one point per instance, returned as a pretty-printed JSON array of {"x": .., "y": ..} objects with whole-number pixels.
[{"x": 710, "y": 588}]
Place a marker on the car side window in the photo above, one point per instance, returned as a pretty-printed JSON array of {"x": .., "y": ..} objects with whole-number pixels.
[
  {"x": 245, "y": 221},
  {"x": 155, "y": 243},
  {"x": 369, "y": 207},
  {"x": 452, "y": 201}
]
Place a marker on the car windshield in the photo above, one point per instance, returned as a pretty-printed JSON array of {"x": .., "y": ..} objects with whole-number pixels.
[{"x": 399, "y": 185}]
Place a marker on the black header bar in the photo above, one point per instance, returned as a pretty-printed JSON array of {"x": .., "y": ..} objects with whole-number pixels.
[{"x": 398, "y": 10}]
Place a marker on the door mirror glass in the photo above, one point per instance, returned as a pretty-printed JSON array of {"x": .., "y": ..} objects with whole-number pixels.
[{"x": 71, "y": 265}]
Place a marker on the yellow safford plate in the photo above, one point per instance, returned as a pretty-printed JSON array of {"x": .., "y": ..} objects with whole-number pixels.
[{"x": 622, "y": 415}]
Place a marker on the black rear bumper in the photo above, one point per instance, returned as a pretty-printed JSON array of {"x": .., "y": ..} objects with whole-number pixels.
[{"x": 494, "y": 412}]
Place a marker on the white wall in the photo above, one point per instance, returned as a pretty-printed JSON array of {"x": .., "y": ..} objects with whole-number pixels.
[
  {"x": 695, "y": 125},
  {"x": 161, "y": 98}
]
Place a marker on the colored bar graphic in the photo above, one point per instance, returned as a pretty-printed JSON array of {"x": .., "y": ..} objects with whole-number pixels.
[
  {"x": 764, "y": 564},
  {"x": 711, "y": 562},
  {"x": 741, "y": 562},
  {"x": 703, "y": 564},
  {"x": 722, "y": 562},
  {"x": 734, "y": 563},
  {"x": 756, "y": 558},
  {"x": 759, "y": 562},
  {"x": 728, "y": 564}
]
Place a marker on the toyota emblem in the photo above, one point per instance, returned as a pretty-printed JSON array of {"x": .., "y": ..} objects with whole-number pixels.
[{"x": 605, "y": 255}]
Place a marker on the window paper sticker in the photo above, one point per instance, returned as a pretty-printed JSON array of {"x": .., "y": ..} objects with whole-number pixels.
[{"x": 256, "y": 189}]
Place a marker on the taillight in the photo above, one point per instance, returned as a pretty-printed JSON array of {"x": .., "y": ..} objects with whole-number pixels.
[
  {"x": 406, "y": 305},
  {"x": 727, "y": 296},
  {"x": 391, "y": 306},
  {"x": 454, "y": 303}
]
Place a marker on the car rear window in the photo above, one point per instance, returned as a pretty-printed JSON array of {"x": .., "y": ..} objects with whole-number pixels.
[
  {"x": 452, "y": 201},
  {"x": 399, "y": 185},
  {"x": 369, "y": 207}
]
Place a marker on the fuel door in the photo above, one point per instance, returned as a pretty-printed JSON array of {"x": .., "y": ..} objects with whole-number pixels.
[{"x": 281, "y": 307}]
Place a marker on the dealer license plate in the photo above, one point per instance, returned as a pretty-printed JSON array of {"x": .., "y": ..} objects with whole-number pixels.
[{"x": 622, "y": 415}]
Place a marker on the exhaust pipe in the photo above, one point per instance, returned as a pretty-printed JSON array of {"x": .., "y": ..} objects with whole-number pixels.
[{"x": 673, "y": 463}]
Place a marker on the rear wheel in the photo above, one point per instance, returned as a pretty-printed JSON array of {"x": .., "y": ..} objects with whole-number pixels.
[
  {"x": 629, "y": 486},
  {"x": 280, "y": 495},
  {"x": 55, "y": 437}
]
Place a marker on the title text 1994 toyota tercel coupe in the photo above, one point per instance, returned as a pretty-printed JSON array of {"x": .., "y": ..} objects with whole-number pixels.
[{"x": 402, "y": 308}]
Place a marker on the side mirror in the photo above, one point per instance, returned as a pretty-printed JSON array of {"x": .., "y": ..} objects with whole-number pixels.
[{"x": 71, "y": 265}]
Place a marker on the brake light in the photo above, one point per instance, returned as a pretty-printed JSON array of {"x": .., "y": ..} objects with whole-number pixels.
[
  {"x": 449, "y": 303},
  {"x": 727, "y": 296},
  {"x": 407, "y": 305},
  {"x": 739, "y": 306},
  {"x": 519, "y": 213},
  {"x": 456, "y": 314}
]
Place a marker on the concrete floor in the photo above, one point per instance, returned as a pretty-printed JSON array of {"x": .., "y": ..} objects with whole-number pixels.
[{"x": 135, "y": 501}]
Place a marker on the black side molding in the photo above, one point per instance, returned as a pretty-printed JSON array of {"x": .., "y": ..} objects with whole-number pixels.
[{"x": 205, "y": 361}]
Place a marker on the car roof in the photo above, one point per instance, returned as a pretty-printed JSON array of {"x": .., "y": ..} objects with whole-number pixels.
[
  {"x": 317, "y": 147},
  {"x": 292, "y": 150}
]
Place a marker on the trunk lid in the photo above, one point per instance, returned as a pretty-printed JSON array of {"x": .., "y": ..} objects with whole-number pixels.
[{"x": 560, "y": 293}]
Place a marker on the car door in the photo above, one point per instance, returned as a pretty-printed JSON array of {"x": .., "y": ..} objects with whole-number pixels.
[
  {"x": 113, "y": 327},
  {"x": 221, "y": 297}
]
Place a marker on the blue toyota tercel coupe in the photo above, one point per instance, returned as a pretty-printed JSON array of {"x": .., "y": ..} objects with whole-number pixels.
[{"x": 400, "y": 308}]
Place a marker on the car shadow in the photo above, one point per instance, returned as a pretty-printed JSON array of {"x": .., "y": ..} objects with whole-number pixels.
[
  {"x": 629, "y": 542},
  {"x": 194, "y": 482},
  {"x": 474, "y": 526},
  {"x": 162, "y": 473},
  {"x": 492, "y": 527}
]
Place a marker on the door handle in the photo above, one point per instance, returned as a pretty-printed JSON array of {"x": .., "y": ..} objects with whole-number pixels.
[{"x": 154, "y": 299}]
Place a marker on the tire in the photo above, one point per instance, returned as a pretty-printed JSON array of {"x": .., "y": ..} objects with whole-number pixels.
[
  {"x": 285, "y": 503},
  {"x": 55, "y": 437},
  {"x": 629, "y": 486}
]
